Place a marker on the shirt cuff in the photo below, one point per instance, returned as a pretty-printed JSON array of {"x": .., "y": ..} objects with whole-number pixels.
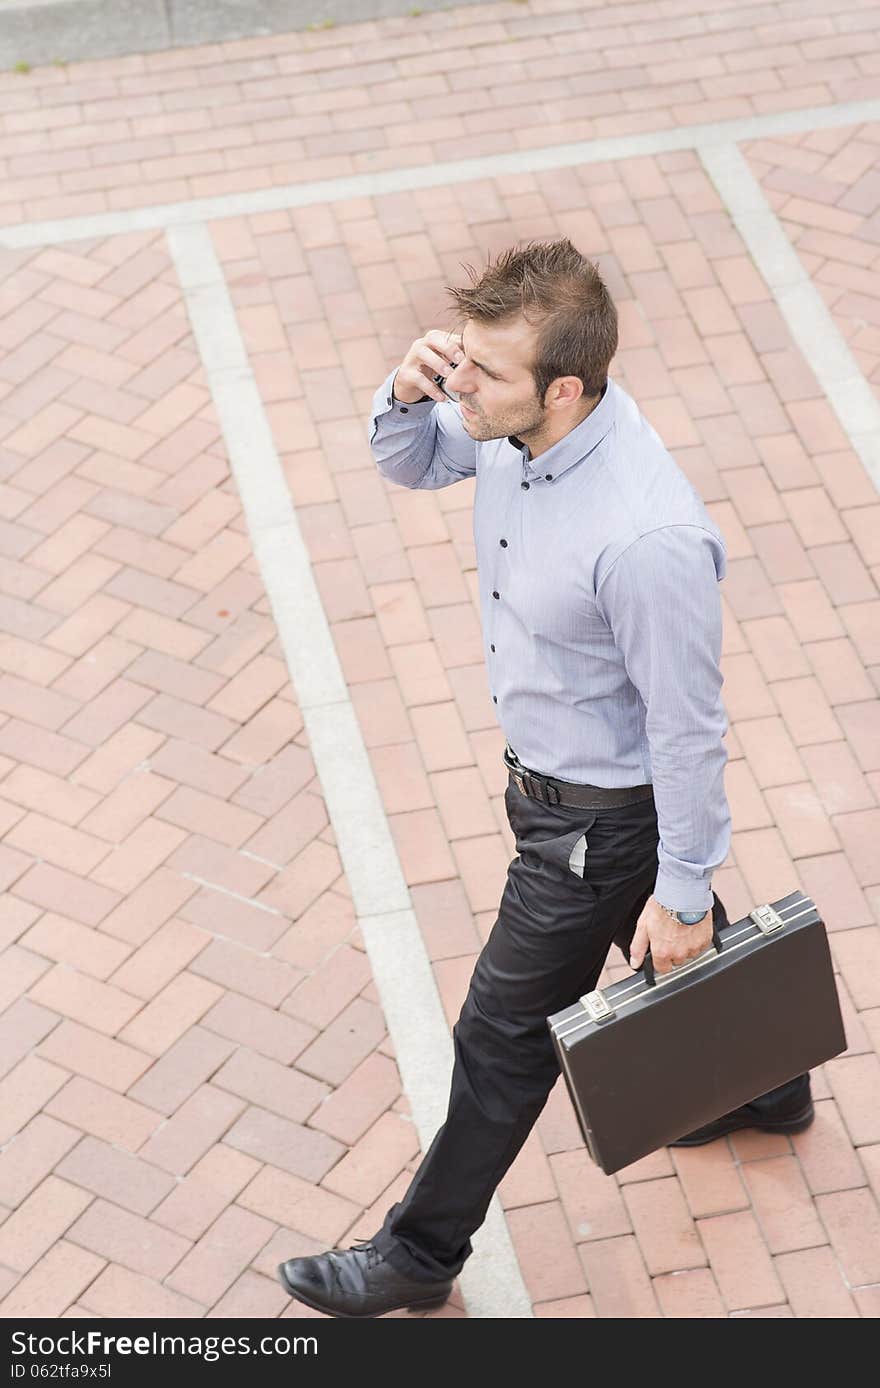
[
  {"x": 403, "y": 409},
  {"x": 683, "y": 896}
]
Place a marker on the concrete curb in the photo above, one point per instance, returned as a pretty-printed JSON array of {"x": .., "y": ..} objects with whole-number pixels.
[{"x": 38, "y": 32}]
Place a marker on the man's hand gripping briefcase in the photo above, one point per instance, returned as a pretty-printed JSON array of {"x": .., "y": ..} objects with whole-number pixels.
[{"x": 649, "y": 1059}]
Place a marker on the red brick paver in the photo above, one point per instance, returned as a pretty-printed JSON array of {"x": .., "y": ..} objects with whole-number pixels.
[{"x": 825, "y": 187}]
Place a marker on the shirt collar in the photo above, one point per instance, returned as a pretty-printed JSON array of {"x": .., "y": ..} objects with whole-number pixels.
[{"x": 577, "y": 444}]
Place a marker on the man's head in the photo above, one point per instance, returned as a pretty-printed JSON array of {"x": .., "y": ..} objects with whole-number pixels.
[{"x": 538, "y": 332}]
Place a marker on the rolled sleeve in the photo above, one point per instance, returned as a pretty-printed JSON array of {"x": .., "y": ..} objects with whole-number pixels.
[{"x": 661, "y": 600}]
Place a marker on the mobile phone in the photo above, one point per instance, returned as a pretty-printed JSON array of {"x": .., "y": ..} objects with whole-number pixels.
[{"x": 441, "y": 382}]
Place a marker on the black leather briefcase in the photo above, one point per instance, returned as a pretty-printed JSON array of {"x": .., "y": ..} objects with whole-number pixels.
[{"x": 649, "y": 1059}]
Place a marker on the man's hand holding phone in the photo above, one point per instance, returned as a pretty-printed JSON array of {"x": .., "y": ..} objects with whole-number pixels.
[{"x": 433, "y": 355}]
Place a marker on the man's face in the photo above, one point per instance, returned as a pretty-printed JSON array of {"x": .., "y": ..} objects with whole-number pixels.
[{"x": 494, "y": 383}]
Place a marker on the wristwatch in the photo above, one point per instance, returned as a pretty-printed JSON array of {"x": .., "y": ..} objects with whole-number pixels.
[{"x": 684, "y": 917}]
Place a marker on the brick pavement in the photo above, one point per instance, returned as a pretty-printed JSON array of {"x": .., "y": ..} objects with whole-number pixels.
[
  {"x": 824, "y": 187},
  {"x": 196, "y": 1076}
]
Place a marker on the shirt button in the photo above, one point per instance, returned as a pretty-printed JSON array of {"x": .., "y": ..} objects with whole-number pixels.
[
  {"x": 404, "y": 410},
  {"x": 494, "y": 698},
  {"x": 491, "y": 648},
  {"x": 389, "y": 400},
  {"x": 503, "y": 544},
  {"x": 525, "y": 486},
  {"x": 548, "y": 477},
  {"x": 496, "y": 594}
]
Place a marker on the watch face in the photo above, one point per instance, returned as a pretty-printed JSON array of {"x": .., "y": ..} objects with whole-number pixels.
[{"x": 690, "y": 917}]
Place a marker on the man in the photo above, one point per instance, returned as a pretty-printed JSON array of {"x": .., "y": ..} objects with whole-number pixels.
[{"x": 599, "y": 570}]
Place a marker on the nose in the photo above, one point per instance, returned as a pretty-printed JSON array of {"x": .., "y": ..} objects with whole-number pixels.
[{"x": 452, "y": 377}]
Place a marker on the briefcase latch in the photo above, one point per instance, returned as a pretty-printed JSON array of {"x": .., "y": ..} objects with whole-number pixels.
[
  {"x": 766, "y": 919},
  {"x": 597, "y": 1006}
]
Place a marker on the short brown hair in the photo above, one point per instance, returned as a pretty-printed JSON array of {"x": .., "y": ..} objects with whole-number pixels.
[{"x": 558, "y": 290}]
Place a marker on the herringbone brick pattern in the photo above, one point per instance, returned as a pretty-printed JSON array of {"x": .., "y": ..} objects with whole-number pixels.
[
  {"x": 195, "y": 1073},
  {"x": 411, "y": 90},
  {"x": 825, "y": 188},
  {"x": 191, "y": 1040}
]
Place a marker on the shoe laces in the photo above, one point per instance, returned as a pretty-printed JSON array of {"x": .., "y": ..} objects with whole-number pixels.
[
  {"x": 335, "y": 1258},
  {"x": 372, "y": 1252}
]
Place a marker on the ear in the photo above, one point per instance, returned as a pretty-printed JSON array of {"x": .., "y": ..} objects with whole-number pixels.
[{"x": 565, "y": 391}]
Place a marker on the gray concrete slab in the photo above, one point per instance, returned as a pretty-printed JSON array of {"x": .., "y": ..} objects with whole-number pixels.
[{"x": 45, "y": 31}]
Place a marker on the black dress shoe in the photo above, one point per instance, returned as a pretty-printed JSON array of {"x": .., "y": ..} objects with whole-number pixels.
[
  {"x": 358, "y": 1281},
  {"x": 749, "y": 1117}
]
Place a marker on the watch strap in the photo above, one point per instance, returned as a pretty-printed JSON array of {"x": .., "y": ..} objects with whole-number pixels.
[{"x": 676, "y": 915}]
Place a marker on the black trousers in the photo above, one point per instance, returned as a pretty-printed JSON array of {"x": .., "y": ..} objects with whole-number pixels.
[{"x": 547, "y": 947}]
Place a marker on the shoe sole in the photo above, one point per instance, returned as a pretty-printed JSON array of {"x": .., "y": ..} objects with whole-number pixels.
[
  {"x": 426, "y": 1305},
  {"x": 796, "y": 1124}
]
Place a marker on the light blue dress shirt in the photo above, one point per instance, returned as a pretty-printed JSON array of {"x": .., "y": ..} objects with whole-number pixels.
[{"x": 598, "y": 571}]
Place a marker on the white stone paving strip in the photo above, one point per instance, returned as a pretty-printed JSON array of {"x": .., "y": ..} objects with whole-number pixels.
[
  {"x": 440, "y": 174},
  {"x": 817, "y": 335},
  {"x": 491, "y": 1281}
]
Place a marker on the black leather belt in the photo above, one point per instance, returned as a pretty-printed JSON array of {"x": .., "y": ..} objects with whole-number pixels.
[{"x": 574, "y": 794}]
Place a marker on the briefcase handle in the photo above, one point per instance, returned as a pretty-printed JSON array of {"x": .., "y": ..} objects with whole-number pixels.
[{"x": 711, "y": 952}]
